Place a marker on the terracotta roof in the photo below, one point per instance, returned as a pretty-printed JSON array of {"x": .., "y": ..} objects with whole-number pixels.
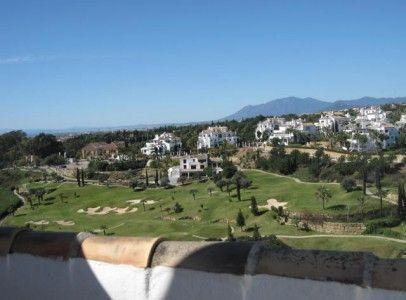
[{"x": 264, "y": 257}]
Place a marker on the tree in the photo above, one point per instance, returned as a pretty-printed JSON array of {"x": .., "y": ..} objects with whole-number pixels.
[
  {"x": 193, "y": 192},
  {"x": 164, "y": 181},
  {"x": 143, "y": 202},
  {"x": 323, "y": 194},
  {"x": 221, "y": 183},
  {"x": 256, "y": 235},
  {"x": 210, "y": 190},
  {"x": 240, "y": 220},
  {"x": 241, "y": 182},
  {"x": 78, "y": 176},
  {"x": 363, "y": 166},
  {"x": 401, "y": 201},
  {"x": 177, "y": 208},
  {"x": 381, "y": 193},
  {"x": 348, "y": 184},
  {"x": 254, "y": 206},
  {"x": 361, "y": 200},
  {"x": 228, "y": 169},
  {"x": 230, "y": 236},
  {"x": 146, "y": 177},
  {"x": 83, "y": 177},
  {"x": 44, "y": 145},
  {"x": 104, "y": 228},
  {"x": 156, "y": 177}
]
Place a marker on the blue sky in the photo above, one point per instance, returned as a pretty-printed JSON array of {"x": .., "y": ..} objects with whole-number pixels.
[{"x": 70, "y": 63}]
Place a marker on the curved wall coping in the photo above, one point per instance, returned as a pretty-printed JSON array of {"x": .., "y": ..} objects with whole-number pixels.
[{"x": 251, "y": 258}]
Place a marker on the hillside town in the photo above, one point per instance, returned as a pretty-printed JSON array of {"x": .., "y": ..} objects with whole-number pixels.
[{"x": 335, "y": 173}]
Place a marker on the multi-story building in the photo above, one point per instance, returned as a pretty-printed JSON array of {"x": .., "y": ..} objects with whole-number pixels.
[
  {"x": 279, "y": 128},
  {"x": 215, "y": 136},
  {"x": 101, "y": 150},
  {"x": 330, "y": 121},
  {"x": 162, "y": 144}
]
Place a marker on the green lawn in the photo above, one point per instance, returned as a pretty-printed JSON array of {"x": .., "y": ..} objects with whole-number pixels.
[
  {"x": 211, "y": 220},
  {"x": 197, "y": 223},
  {"x": 7, "y": 199},
  {"x": 387, "y": 249}
]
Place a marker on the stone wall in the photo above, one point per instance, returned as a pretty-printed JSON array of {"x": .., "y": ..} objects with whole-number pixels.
[{"x": 338, "y": 228}]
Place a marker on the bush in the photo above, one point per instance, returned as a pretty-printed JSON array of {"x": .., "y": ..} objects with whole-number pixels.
[
  {"x": 177, "y": 208},
  {"x": 348, "y": 184},
  {"x": 377, "y": 226}
]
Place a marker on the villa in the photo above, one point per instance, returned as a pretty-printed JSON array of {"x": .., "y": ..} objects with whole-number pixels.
[
  {"x": 215, "y": 136},
  {"x": 162, "y": 144},
  {"x": 101, "y": 150}
]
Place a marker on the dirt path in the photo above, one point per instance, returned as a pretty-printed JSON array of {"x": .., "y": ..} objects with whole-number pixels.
[
  {"x": 341, "y": 236},
  {"x": 297, "y": 180}
]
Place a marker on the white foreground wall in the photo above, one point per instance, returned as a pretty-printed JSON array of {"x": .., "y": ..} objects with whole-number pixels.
[{"x": 24, "y": 276}]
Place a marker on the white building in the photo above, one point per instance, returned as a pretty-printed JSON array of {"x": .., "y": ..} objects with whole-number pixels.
[
  {"x": 161, "y": 144},
  {"x": 279, "y": 128},
  {"x": 371, "y": 113},
  {"x": 215, "y": 136},
  {"x": 390, "y": 137},
  {"x": 329, "y": 121}
]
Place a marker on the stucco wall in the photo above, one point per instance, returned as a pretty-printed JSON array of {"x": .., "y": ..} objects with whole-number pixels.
[{"x": 24, "y": 276}]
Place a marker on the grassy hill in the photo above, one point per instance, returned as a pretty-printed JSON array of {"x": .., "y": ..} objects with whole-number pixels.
[{"x": 204, "y": 217}]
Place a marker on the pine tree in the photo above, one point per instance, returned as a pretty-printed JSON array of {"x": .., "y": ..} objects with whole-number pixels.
[
  {"x": 256, "y": 235},
  {"x": 240, "y": 220},
  {"x": 254, "y": 206}
]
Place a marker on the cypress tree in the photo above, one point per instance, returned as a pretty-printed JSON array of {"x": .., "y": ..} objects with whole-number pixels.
[
  {"x": 78, "y": 176},
  {"x": 254, "y": 206},
  {"x": 401, "y": 201},
  {"x": 83, "y": 178},
  {"x": 146, "y": 177},
  {"x": 240, "y": 220},
  {"x": 256, "y": 235}
]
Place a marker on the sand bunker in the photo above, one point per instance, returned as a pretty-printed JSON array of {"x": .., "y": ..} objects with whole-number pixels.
[
  {"x": 41, "y": 222},
  {"x": 65, "y": 223},
  {"x": 138, "y": 201},
  {"x": 105, "y": 210},
  {"x": 126, "y": 210},
  {"x": 273, "y": 202}
]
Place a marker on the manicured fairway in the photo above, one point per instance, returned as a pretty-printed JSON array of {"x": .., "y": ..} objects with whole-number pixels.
[{"x": 205, "y": 217}]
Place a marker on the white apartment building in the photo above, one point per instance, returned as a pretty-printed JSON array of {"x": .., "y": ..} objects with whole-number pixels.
[
  {"x": 215, "y": 136},
  {"x": 371, "y": 114},
  {"x": 329, "y": 121},
  {"x": 279, "y": 128},
  {"x": 161, "y": 144}
]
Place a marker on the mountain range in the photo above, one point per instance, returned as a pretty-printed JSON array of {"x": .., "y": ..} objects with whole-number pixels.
[{"x": 295, "y": 105}]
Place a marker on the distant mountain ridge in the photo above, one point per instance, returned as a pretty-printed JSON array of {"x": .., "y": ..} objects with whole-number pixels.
[{"x": 295, "y": 105}]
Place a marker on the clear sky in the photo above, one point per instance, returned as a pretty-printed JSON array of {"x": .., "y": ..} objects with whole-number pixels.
[{"x": 70, "y": 63}]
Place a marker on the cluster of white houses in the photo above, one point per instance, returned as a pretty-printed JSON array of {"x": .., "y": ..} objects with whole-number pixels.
[
  {"x": 368, "y": 129},
  {"x": 162, "y": 144}
]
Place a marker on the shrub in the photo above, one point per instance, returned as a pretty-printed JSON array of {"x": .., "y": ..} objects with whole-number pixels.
[
  {"x": 348, "y": 184},
  {"x": 177, "y": 208}
]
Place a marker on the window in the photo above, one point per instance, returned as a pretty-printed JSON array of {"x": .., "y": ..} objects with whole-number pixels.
[
  {"x": 201, "y": 167},
  {"x": 184, "y": 161},
  {"x": 184, "y": 166},
  {"x": 193, "y": 167}
]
